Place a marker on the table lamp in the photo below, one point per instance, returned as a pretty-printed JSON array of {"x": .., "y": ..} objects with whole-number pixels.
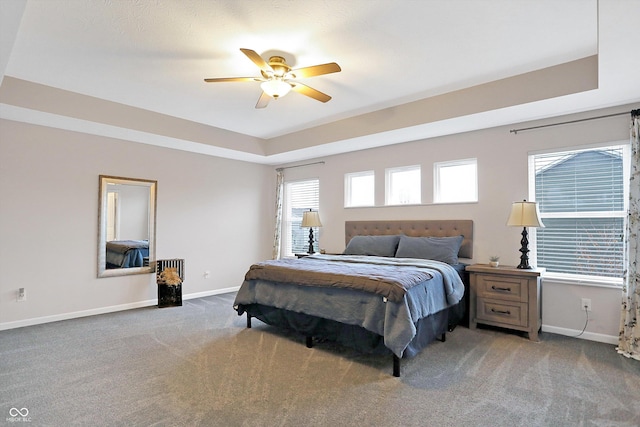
[
  {"x": 311, "y": 219},
  {"x": 524, "y": 214}
]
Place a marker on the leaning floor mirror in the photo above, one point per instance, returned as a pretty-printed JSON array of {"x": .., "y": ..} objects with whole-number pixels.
[{"x": 126, "y": 226}]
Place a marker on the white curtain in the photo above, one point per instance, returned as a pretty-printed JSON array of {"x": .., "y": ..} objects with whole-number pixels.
[
  {"x": 277, "y": 233},
  {"x": 629, "y": 341}
]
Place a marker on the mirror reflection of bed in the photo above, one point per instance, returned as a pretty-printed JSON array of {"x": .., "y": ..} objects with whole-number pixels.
[{"x": 127, "y": 253}]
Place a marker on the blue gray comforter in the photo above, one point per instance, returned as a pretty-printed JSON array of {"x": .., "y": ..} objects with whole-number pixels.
[
  {"x": 439, "y": 286},
  {"x": 127, "y": 253}
]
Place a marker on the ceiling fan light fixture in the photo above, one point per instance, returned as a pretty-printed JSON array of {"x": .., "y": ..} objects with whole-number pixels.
[{"x": 275, "y": 88}]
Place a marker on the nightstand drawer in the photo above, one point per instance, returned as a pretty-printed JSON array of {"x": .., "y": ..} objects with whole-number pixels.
[
  {"x": 503, "y": 288},
  {"x": 509, "y": 314}
]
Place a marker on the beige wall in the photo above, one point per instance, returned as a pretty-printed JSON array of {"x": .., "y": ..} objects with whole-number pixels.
[
  {"x": 215, "y": 213},
  {"x": 502, "y": 179}
]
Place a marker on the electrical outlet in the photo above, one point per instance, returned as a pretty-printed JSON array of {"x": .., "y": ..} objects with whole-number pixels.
[
  {"x": 586, "y": 303},
  {"x": 22, "y": 295}
]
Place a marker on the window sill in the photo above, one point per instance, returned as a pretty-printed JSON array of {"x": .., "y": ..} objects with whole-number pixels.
[
  {"x": 411, "y": 205},
  {"x": 583, "y": 281}
]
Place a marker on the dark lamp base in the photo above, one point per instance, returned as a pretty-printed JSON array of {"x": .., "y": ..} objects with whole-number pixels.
[
  {"x": 310, "y": 250},
  {"x": 524, "y": 250}
]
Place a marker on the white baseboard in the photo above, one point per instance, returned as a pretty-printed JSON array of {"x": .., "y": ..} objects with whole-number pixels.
[
  {"x": 209, "y": 293},
  {"x": 103, "y": 310},
  {"x": 591, "y": 336}
]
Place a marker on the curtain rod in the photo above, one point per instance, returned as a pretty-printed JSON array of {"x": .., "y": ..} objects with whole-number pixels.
[
  {"x": 299, "y": 166},
  {"x": 515, "y": 131}
]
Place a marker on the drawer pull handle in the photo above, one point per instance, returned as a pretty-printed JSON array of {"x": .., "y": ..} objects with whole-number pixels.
[
  {"x": 493, "y": 310},
  {"x": 495, "y": 288}
]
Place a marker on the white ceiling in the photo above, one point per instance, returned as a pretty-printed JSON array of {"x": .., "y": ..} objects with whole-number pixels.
[{"x": 154, "y": 55}]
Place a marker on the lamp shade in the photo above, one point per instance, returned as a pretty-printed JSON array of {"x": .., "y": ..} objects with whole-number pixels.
[
  {"x": 524, "y": 214},
  {"x": 311, "y": 219},
  {"x": 275, "y": 88}
]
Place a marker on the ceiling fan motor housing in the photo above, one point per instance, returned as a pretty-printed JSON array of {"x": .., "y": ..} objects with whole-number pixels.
[{"x": 279, "y": 66}]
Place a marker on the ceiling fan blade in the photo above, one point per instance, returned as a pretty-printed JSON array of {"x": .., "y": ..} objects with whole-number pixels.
[
  {"x": 234, "y": 79},
  {"x": 315, "y": 70},
  {"x": 257, "y": 59},
  {"x": 263, "y": 101},
  {"x": 310, "y": 92}
]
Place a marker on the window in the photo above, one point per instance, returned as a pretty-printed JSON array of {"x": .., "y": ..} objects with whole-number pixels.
[
  {"x": 299, "y": 196},
  {"x": 113, "y": 215},
  {"x": 456, "y": 181},
  {"x": 359, "y": 189},
  {"x": 403, "y": 186},
  {"x": 582, "y": 200}
]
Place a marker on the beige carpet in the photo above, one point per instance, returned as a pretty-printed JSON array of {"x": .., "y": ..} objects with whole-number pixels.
[{"x": 199, "y": 365}]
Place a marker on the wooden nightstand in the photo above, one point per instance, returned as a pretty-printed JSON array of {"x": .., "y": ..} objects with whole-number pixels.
[{"x": 507, "y": 297}]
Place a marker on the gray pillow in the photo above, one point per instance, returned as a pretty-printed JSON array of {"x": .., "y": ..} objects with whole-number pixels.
[
  {"x": 372, "y": 245},
  {"x": 443, "y": 249}
]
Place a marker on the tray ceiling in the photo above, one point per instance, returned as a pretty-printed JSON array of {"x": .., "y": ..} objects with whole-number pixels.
[{"x": 126, "y": 58}]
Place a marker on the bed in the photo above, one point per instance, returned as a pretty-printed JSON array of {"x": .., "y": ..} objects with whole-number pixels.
[
  {"x": 397, "y": 287},
  {"x": 127, "y": 253}
]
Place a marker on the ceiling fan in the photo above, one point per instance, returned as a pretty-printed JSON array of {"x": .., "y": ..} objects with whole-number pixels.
[{"x": 277, "y": 78}]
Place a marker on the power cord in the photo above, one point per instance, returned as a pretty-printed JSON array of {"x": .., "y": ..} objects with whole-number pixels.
[{"x": 586, "y": 322}]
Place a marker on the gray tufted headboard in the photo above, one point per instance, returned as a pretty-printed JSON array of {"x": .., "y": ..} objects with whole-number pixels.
[{"x": 416, "y": 228}]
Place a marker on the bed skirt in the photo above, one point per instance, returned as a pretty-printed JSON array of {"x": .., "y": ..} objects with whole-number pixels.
[{"x": 352, "y": 336}]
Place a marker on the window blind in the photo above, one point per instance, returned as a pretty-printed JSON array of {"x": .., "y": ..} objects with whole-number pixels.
[
  {"x": 581, "y": 198},
  {"x": 299, "y": 196}
]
